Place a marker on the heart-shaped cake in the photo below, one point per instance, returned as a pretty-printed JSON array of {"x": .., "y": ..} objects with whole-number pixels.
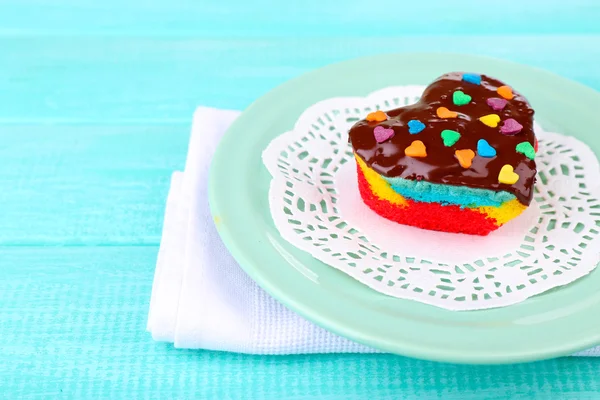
[{"x": 460, "y": 160}]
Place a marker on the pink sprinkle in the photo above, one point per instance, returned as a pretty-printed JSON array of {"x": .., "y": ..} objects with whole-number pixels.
[
  {"x": 496, "y": 103},
  {"x": 511, "y": 127},
  {"x": 382, "y": 134}
]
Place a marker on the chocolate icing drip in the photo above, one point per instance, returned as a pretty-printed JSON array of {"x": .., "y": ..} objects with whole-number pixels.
[{"x": 440, "y": 165}]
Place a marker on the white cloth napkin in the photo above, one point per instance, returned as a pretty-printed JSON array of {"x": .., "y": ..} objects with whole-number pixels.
[{"x": 201, "y": 298}]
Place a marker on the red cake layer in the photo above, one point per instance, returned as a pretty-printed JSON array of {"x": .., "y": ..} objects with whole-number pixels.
[{"x": 433, "y": 216}]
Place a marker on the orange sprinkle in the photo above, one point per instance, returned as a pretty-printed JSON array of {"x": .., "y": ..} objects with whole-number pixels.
[
  {"x": 464, "y": 157},
  {"x": 443, "y": 112},
  {"x": 416, "y": 149},
  {"x": 377, "y": 116},
  {"x": 506, "y": 92}
]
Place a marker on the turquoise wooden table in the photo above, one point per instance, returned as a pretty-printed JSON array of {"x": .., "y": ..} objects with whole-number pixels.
[{"x": 96, "y": 100}]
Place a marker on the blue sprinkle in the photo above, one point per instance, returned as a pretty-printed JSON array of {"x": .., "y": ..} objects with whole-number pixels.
[
  {"x": 472, "y": 78},
  {"x": 415, "y": 126},
  {"x": 484, "y": 149}
]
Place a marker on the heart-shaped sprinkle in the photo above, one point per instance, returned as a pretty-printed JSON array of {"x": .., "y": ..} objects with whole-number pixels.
[
  {"x": 443, "y": 112},
  {"x": 506, "y": 92},
  {"x": 376, "y": 116},
  {"x": 472, "y": 78},
  {"x": 484, "y": 149},
  {"x": 511, "y": 127},
  {"x": 508, "y": 175},
  {"x": 464, "y": 157},
  {"x": 415, "y": 126},
  {"x": 450, "y": 137},
  {"x": 527, "y": 149},
  {"x": 382, "y": 134},
  {"x": 416, "y": 149},
  {"x": 496, "y": 103},
  {"x": 460, "y": 98},
  {"x": 490, "y": 120}
]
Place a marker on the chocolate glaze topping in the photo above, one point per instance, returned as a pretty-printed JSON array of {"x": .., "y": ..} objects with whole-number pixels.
[{"x": 440, "y": 164}]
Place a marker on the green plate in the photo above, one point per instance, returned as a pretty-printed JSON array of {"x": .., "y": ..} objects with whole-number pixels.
[{"x": 556, "y": 323}]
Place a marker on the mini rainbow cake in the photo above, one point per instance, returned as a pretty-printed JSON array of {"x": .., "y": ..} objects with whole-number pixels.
[{"x": 459, "y": 160}]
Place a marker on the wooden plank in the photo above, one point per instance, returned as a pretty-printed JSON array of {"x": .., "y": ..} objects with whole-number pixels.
[
  {"x": 86, "y": 185},
  {"x": 308, "y": 18},
  {"x": 73, "y": 327},
  {"x": 140, "y": 80}
]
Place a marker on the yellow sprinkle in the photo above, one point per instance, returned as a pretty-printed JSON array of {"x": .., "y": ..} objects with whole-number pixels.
[
  {"x": 490, "y": 120},
  {"x": 507, "y": 175}
]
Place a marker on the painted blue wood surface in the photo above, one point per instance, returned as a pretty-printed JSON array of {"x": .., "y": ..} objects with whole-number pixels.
[
  {"x": 96, "y": 99},
  {"x": 74, "y": 185},
  {"x": 131, "y": 80},
  {"x": 316, "y": 18},
  {"x": 73, "y": 327}
]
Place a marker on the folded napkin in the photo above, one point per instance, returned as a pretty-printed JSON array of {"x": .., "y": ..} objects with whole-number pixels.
[{"x": 201, "y": 298}]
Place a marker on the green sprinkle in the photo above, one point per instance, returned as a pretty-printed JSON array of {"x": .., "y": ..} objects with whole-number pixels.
[
  {"x": 527, "y": 149},
  {"x": 460, "y": 98},
  {"x": 450, "y": 137}
]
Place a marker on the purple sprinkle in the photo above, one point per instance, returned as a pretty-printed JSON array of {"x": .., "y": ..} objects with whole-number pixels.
[
  {"x": 382, "y": 134},
  {"x": 511, "y": 127},
  {"x": 496, "y": 103}
]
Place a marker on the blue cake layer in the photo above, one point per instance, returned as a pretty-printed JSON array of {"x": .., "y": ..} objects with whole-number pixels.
[{"x": 448, "y": 194}]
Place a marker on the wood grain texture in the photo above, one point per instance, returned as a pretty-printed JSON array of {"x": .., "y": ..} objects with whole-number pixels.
[
  {"x": 87, "y": 185},
  {"x": 99, "y": 80},
  {"x": 73, "y": 327},
  {"x": 96, "y": 99},
  {"x": 307, "y": 18}
]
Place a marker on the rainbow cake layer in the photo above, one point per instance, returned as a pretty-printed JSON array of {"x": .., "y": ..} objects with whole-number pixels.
[
  {"x": 436, "y": 207},
  {"x": 460, "y": 160}
]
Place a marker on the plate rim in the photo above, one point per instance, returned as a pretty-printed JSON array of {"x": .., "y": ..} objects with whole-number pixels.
[{"x": 231, "y": 239}]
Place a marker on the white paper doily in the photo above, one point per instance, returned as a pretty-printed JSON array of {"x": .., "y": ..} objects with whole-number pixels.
[{"x": 315, "y": 204}]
